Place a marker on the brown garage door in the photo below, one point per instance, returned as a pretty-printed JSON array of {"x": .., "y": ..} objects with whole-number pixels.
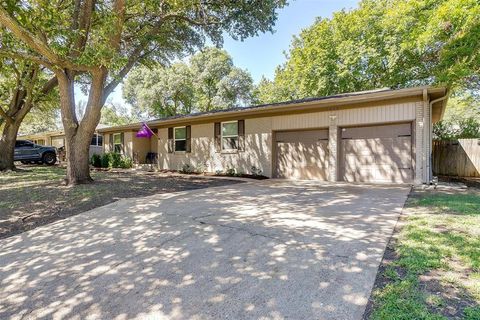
[
  {"x": 377, "y": 154},
  {"x": 302, "y": 154}
]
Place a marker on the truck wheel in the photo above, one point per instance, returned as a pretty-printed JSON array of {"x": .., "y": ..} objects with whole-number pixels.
[
  {"x": 24, "y": 162},
  {"x": 49, "y": 158}
]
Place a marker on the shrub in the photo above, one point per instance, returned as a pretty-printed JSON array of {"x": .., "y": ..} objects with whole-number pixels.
[
  {"x": 126, "y": 163},
  {"x": 256, "y": 171},
  {"x": 231, "y": 172},
  {"x": 186, "y": 168},
  {"x": 96, "y": 160},
  {"x": 467, "y": 128},
  {"x": 116, "y": 160},
  {"x": 106, "y": 161}
]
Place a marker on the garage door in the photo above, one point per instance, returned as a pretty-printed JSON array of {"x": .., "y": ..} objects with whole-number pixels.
[
  {"x": 377, "y": 154},
  {"x": 302, "y": 154}
]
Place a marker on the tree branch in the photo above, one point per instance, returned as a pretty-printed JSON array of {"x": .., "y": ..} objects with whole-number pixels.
[
  {"x": 6, "y": 116},
  {"x": 24, "y": 56},
  {"x": 37, "y": 45}
]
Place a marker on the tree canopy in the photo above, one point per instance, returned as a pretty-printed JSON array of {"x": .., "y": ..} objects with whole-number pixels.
[
  {"x": 383, "y": 43},
  {"x": 207, "y": 81},
  {"x": 97, "y": 43}
]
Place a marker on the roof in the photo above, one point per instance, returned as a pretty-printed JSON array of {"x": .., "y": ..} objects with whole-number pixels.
[
  {"x": 43, "y": 134},
  {"x": 312, "y": 104}
]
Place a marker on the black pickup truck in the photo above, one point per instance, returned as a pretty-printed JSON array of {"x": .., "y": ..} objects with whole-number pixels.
[{"x": 29, "y": 152}]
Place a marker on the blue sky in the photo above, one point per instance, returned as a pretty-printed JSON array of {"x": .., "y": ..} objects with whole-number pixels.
[{"x": 262, "y": 54}]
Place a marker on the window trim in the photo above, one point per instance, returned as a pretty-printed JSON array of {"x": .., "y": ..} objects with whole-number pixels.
[
  {"x": 222, "y": 149},
  {"x": 175, "y": 140},
  {"x": 113, "y": 141}
]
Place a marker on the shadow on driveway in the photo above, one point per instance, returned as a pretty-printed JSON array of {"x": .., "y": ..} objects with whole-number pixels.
[{"x": 271, "y": 249}]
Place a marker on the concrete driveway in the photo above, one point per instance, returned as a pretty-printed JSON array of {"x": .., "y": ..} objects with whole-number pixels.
[{"x": 269, "y": 250}]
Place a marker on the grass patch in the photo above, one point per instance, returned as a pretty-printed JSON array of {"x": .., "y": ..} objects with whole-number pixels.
[
  {"x": 36, "y": 195},
  {"x": 438, "y": 251}
]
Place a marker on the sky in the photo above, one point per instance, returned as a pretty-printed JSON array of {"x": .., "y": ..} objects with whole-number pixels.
[{"x": 262, "y": 54}]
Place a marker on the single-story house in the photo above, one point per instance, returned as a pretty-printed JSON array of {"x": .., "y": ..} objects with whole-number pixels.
[
  {"x": 57, "y": 139},
  {"x": 372, "y": 136}
]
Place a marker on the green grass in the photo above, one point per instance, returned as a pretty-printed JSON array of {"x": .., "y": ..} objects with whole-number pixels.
[{"x": 443, "y": 235}]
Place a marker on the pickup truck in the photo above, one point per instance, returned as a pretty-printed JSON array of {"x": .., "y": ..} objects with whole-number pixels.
[{"x": 29, "y": 152}]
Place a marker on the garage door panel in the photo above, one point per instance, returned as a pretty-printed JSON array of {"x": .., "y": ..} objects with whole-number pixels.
[
  {"x": 377, "y": 154},
  {"x": 302, "y": 154}
]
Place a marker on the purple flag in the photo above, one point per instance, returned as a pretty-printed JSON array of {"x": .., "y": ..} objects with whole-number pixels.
[{"x": 144, "y": 132}]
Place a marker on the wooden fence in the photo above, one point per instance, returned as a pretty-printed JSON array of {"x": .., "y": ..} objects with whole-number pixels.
[{"x": 459, "y": 158}]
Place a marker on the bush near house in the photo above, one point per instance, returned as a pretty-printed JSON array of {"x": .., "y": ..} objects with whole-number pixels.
[
  {"x": 111, "y": 160},
  {"x": 467, "y": 128}
]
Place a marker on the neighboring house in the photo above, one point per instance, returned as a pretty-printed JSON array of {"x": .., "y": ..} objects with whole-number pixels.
[
  {"x": 57, "y": 139},
  {"x": 372, "y": 136}
]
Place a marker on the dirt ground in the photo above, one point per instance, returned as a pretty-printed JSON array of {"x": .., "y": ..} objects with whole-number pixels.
[{"x": 35, "y": 195}]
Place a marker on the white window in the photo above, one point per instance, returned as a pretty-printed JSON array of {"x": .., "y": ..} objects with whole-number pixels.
[
  {"x": 97, "y": 140},
  {"x": 117, "y": 143},
  {"x": 229, "y": 132},
  {"x": 180, "y": 138}
]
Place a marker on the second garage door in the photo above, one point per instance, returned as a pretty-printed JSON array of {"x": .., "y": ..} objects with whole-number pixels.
[
  {"x": 302, "y": 154},
  {"x": 377, "y": 154}
]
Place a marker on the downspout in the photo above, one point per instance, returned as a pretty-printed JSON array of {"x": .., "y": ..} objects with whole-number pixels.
[{"x": 429, "y": 132}]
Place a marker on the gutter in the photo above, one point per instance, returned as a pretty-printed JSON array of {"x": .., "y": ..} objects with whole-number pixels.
[{"x": 429, "y": 133}]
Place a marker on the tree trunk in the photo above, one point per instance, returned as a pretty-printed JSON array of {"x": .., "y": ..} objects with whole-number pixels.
[
  {"x": 78, "y": 162},
  {"x": 78, "y": 135},
  {"x": 7, "y": 145}
]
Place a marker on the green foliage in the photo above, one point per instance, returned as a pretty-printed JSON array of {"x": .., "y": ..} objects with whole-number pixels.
[
  {"x": 114, "y": 115},
  {"x": 106, "y": 160},
  {"x": 231, "y": 172},
  {"x": 208, "y": 81},
  {"x": 115, "y": 160},
  {"x": 187, "y": 169},
  {"x": 383, "y": 43},
  {"x": 96, "y": 160},
  {"x": 472, "y": 313},
  {"x": 468, "y": 128},
  {"x": 126, "y": 163}
]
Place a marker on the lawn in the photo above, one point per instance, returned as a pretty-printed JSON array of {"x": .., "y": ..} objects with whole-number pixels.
[
  {"x": 35, "y": 195},
  {"x": 431, "y": 269}
]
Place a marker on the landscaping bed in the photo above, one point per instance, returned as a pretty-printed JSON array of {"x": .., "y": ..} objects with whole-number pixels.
[
  {"x": 35, "y": 195},
  {"x": 431, "y": 268}
]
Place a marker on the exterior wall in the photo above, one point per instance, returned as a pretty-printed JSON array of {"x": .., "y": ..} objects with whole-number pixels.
[
  {"x": 140, "y": 147},
  {"x": 258, "y": 146},
  {"x": 258, "y": 137}
]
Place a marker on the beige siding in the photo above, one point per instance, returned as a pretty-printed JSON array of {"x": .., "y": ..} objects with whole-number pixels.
[
  {"x": 259, "y": 132},
  {"x": 398, "y": 112},
  {"x": 258, "y": 144},
  {"x": 140, "y": 146}
]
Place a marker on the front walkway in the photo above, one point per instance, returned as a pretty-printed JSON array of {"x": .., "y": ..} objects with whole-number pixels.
[{"x": 271, "y": 249}]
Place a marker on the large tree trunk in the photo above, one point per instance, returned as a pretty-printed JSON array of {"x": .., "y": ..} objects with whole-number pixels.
[
  {"x": 79, "y": 134},
  {"x": 78, "y": 162},
  {"x": 7, "y": 145}
]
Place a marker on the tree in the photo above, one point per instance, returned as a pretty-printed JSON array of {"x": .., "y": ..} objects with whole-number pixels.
[
  {"x": 218, "y": 83},
  {"x": 161, "y": 91},
  {"x": 208, "y": 81},
  {"x": 383, "y": 43},
  {"x": 23, "y": 85},
  {"x": 100, "y": 41},
  {"x": 117, "y": 115},
  {"x": 42, "y": 119}
]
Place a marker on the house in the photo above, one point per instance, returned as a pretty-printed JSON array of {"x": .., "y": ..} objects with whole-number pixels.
[
  {"x": 372, "y": 136},
  {"x": 57, "y": 139}
]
